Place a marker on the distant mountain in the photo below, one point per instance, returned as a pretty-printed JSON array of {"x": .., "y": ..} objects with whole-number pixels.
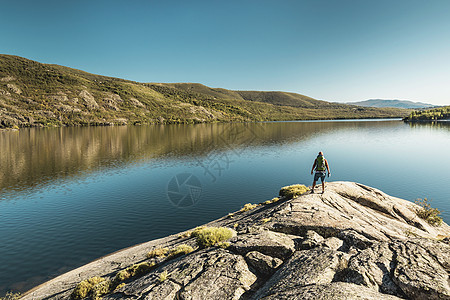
[
  {"x": 33, "y": 94},
  {"x": 392, "y": 103}
]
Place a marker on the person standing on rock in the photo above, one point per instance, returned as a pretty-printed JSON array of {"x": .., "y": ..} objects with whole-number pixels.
[{"x": 321, "y": 166}]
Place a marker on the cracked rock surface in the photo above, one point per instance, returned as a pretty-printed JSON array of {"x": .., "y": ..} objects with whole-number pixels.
[{"x": 352, "y": 242}]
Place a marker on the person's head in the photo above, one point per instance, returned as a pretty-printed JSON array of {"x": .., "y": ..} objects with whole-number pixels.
[{"x": 320, "y": 153}]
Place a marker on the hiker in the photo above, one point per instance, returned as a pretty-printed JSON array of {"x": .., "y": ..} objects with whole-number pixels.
[{"x": 320, "y": 163}]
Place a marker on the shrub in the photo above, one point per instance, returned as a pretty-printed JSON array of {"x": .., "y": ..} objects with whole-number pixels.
[
  {"x": 158, "y": 252},
  {"x": 248, "y": 206},
  {"x": 426, "y": 212},
  {"x": 223, "y": 245},
  {"x": 101, "y": 289},
  {"x": 292, "y": 191},
  {"x": 271, "y": 201},
  {"x": 163, "y": 276},
  {"x": 11, "y": 296},
  {"x": 82, "y": 289},
  {"x": 119, "y": 286},
  {"x": 265, "y": 220},
  {"x": 134, "y": 271},
  {"x": 210, "y": 236},
  {"x": 186, "y": 234},
  {"x": 180, "y": 250}
]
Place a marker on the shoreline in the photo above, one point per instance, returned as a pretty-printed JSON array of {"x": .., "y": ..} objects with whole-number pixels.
[
  {"x": 285, "y": 221},
  {"x": 365, "y": 119}
]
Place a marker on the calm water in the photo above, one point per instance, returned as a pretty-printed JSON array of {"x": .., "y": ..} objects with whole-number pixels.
[{"x": 70, "y": 195}]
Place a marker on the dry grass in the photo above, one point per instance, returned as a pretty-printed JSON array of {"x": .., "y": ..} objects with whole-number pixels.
[
  {"x": 158, "y": 252},
  {"x": 248, "y": 207},
  {"x": 163, "y": 276},
  {"x": 276, "y": 199},
  {"x": 180, "y": 250},
  {"x": 292, "y": 191},
  {"x": 11, "y": 296},
  {"x": 210, "y": 236},
  {"x": 84, "y": 288},
  {"x": 223, "y": 245},
  {"x": 134, "y": 271},
  {"x": 265, "y": 220}
]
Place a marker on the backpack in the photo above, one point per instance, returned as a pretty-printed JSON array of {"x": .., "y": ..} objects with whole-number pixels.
[{"x": 320, "y": 163}]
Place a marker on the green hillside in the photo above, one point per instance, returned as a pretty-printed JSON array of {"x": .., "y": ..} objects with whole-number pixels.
[
  {"x": 441, "y": 113},
  {"x": 33, "y": 94}
]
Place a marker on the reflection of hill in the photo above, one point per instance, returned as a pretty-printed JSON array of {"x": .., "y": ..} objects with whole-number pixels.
[
  {"x": 38, "y": 156},
  {"x": 432, "y": 124}
]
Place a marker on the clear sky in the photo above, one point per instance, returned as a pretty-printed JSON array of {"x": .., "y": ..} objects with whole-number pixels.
[{"x": 335, "y": 50}]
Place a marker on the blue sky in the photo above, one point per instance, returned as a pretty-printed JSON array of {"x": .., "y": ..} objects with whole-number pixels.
[{"x": 332, "y": 50}]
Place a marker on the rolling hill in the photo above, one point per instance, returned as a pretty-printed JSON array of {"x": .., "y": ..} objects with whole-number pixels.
[
  {"x": 392, "y": 103},
  {"x": 33, "y": 94}
]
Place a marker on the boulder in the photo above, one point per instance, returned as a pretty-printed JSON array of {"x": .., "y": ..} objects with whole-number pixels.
[
  {"x": 330, "y": 291},
  {"x": 263, "y": 264},
  {"x": 267, "y": 242},
  {"x": 305, "y": 267}
]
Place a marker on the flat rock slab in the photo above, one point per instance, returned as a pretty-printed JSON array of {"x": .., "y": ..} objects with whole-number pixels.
[
  {"x": 267, "y": 242},
  {"x": 331, "y": 291},
  {"x": 207, "y": 274},
  {"x": 352, "y": 242},
  {"x": 305, "y": 267},
  {"x": 353, "y": 206}
]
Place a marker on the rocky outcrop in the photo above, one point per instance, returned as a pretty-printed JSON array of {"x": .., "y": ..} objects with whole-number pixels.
[
  {"x": 89, "y": 100},
  {"x": 352, "y": 242}
]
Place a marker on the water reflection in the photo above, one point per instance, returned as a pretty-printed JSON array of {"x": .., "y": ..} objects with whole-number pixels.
[
  {"x": 441, "y": 125},
  {"x": 35, "y": 157}
]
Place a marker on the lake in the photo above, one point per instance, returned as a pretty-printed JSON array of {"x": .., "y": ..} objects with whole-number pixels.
[{"x": 71, "y": 195}]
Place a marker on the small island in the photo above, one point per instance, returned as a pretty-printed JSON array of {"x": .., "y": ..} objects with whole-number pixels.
[{"x": 353, "y": 241}]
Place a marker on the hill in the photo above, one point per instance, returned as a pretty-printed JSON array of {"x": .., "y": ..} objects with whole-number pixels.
[
  {"x": 436, "y": 114},
  {"x": 352, "y": 242},
  {"x": 33, "y": 94},
  {"x": 392, "y": 103}
]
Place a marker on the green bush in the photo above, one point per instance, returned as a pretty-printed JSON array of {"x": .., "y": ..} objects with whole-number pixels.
[
  {"x": 134, "y": 271},
  {"x": 11, "y": 296},
  {"x": 292, "y": 191},
  {"x": 101, "y": 289},
  {"x": 210, "y": 236},
  {"x": 276, "y": 199},
  {"x": 426, "y": 212},
  {"x": 158, "y": 252},
  {"x": 84, "y": 288},
  {"x": 163, "y": 276},
  {"x": 180, "y": 250},
  {"x": 248, "y": 207}
]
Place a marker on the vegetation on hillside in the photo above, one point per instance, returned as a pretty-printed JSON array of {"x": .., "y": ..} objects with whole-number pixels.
[
  {"x": 441, "y": 113},
  {"x": 33, "y": 94},
  {"x": 427, "y": 213}
]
